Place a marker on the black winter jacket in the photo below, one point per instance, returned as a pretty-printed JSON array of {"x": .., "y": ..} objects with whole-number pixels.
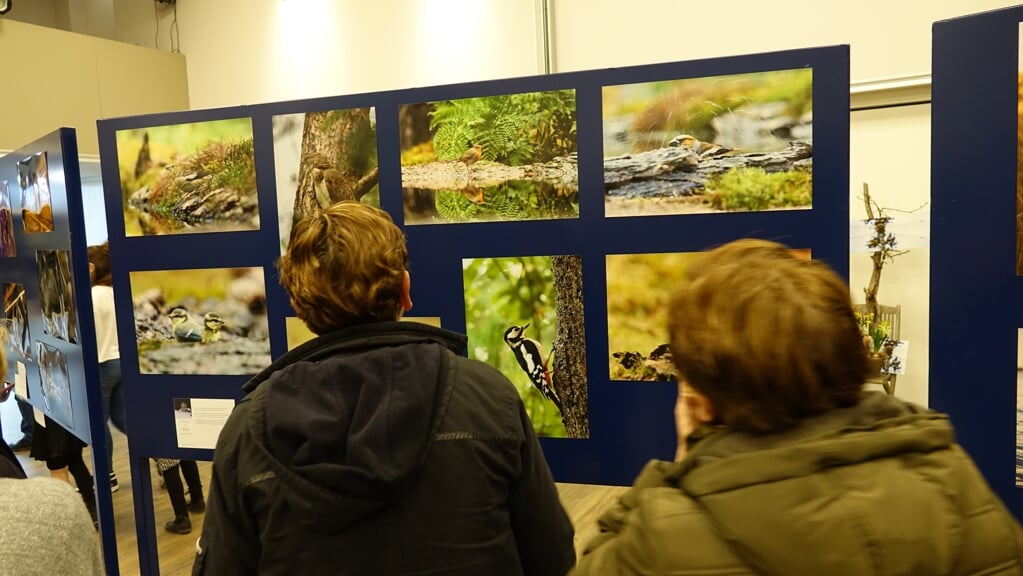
[{"x": 378, "y": 450}]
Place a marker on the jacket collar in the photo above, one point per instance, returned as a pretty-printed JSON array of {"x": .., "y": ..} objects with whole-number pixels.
[{"x": 363, "y": 336}]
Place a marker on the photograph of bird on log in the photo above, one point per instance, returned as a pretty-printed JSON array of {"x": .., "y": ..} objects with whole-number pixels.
[
  {"x": 322, "y": 158},
  {"x": 524, "y": 317},
  {"x": 202, "y": 321},
  {"x": 36, "y": 206},
  {"x": 736, "y": 143},
  {"x": 492, "y": 158},
  {"x": 188, "y": 178},
  {"x": 639, "y": 288},
  {"x": 7, "y": 245}
]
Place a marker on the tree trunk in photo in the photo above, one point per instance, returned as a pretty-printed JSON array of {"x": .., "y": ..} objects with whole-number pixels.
[
  {"x": 338, "y": 141},
  {"x": 414, "y": 124},
  {"x": 568, "y": 369}
]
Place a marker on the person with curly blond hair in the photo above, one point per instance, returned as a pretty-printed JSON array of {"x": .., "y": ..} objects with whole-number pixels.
[{"x": 377, "y": 447}]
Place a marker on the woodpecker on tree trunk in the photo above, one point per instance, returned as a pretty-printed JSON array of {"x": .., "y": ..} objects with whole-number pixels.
[{"x": 530, "y": 356}]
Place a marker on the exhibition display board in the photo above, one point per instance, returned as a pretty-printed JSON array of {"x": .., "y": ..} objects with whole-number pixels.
[
  {"x": 977, "y": 240},
  {"x": 548, "y": 215},
  {"x": 47, "y": 303}
]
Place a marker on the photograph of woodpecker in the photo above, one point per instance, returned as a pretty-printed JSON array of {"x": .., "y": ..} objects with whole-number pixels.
[
  {"x": 736, "y": 143},
  {"x": 15, "y": 316},
  {"x": 639, "y": 287},
  {"x": 201, "y": 321},
  {"x": 36, "y": 206},
  {"x": 321, "y": 158},
  {"x": 505, "y": 157},
  {"x": 188, "y": 178},
  {"x": 56, "y": 294},
  {"x": 55, "y": 384},
  {"x": 524, "y": 317},
  {"x": 7, "y": 246}
]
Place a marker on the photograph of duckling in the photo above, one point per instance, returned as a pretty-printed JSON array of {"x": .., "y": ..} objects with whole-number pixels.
[{"x": 201, "y": 321}]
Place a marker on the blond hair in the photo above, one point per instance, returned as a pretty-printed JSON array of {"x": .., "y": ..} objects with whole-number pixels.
[
  {"x": 345, "y": 266},
  {"x": 768, "y": 338}
]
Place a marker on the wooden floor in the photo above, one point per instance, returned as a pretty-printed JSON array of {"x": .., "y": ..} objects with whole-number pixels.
[{"x": 584, "y": 504}]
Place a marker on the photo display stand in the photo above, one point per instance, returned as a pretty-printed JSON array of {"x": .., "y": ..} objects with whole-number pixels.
[
  {"x": 47, "y": 301},
  {"x": 557, "y": 210},
  {"x": 976, "y": 309}
]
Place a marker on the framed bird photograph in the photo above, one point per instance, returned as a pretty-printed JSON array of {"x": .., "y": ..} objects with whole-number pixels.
[
  {"x": 201, "y": 321},
  {"x": 15, "y": 317},
  {"x": 639, "y": 288},
  {"x": 1019, "y": 156},
  {"x": 55, "y": 384},
  {"x": 321, "y": 158},
  {"x": 56, "y": 297},
  {"x": 524, "y": 316},
  {"x": 505, "y": 157},
  {"x": 736, "y": 143},
  {"x": 188, "y": 178},
  {"x": 36, "y": 207}
]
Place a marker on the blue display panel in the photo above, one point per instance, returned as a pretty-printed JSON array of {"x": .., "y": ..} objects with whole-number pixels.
[
  {"x": 610, "y": 165},
  {"x": 47, "y": 302},
  {"x": 976, "y": 313}
]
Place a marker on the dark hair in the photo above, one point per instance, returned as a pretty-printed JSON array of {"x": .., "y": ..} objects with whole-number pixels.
[
  {"x": 345, "y": 266},
  {"x": 99, "y": 257},
  {"x": 768, "y": 338}
]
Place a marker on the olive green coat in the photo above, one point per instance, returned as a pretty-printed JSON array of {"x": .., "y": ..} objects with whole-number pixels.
[{"x": 880, "y": 488}]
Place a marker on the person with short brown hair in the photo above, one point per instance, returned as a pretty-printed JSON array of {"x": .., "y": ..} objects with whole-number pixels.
[
  {"x": 377, "y": 447},
  {"x": 785, "y": 464}
]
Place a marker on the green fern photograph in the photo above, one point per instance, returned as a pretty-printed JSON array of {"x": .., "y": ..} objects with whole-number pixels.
[{"x": 492, "y": 158}]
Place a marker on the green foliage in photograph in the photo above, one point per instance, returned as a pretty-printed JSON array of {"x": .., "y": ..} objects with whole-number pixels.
[
  {"x": 512, "y": 200},
  {"x": 754, "y": 189},
  {"x": 505, "y": 292},
  {"x": 514, "y": 129}
]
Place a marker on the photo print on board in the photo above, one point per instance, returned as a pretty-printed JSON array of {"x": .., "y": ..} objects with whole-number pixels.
[
  {"x": 7, "y": 247},
  {"x": 1019, "y": 157},
  {"x": 1019, "y": 408},
  {"x": 507, "y": 157},
  {"x": 201, "y": 321},
  {"x": 56, "y": 296},
  {"x": 36, "y": 204},
  {"x": 188, "y": 178},
  {"x": 16, "y": 320},
  {"x": 55, "y": 384},
  {"x": 524, "y": 317},
  {"x": 298, "y": 333},
  {"x": 322, "y": 158},
  {"x": 736, "y": 143},
  {"x": 639, "y": 288}
]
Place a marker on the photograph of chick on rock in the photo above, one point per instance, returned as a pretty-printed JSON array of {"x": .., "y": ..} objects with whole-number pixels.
[
  {"x": 505, "y": 157},
  {"x": 203, "y": 321},
  {"x": 188, "y": 178},
  {"x": 736, "y": 143}
]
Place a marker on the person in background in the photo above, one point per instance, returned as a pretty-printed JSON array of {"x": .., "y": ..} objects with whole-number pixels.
[
  {"x": 171, "y": 472},
  {"x": 377, "y": 447},
  {"x": 25, "y": 409},
  {"x": 106, "y": 347},
  {"x": 62, "y": 453},
  {"x": 788, "y": 466},
  {"x": 10, "y": 467}
]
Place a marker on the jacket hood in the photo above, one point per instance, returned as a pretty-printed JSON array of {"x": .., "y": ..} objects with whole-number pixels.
[
  {"x": 812, "y": 500},
  {"x": 347, "y": 418}
]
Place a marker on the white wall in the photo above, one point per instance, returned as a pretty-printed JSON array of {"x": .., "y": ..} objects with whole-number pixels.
[
  {"x": 242, "y": 52},
  {"x": 889, "y": 38}
]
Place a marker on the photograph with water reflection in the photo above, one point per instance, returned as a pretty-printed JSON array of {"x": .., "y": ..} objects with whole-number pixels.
[
  {"x": 492, "y": 158},
  {"x": 55, "y": 384},
  {"x": 639, "y": 287},
  {"x": 322, "y": 158},
  {"x": 36, "y": 205},
  {"x": 736, "y": 143},
  {"x": 201, "y": 321},
  {"x": 524, "y": 317},
  {"x": 188, "y": 178}
]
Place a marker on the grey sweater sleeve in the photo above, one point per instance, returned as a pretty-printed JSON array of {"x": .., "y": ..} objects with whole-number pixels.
[{"x": 46, "y": 530}]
